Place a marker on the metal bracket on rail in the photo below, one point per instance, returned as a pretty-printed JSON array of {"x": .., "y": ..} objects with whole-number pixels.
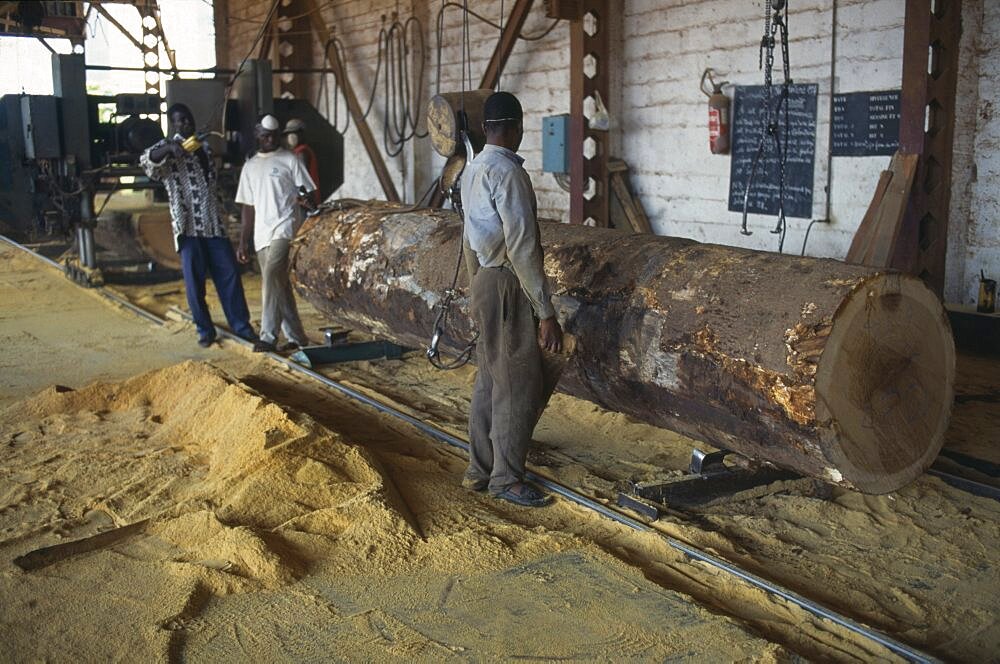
[
  {"x": 708, "y": 479},
  {"x": 338, "y": 349}
]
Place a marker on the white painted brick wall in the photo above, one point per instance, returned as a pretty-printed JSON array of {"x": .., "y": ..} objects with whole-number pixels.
[
  {"x": 659, "y": 123},
  {"x": 976, "y": 184}
]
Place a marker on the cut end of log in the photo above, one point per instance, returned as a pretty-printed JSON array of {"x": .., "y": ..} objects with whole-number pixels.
[
  {"x": 885, "y": 384},
  {"x": 155, "y": 234}
]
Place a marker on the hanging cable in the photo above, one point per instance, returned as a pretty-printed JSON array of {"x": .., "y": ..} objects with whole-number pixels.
[
  {"x": 220, "y": 114},
  {"x": 499, "y": 44},
  {"x": 400, "y": 105},
  {"x": 440, "y": 323}
]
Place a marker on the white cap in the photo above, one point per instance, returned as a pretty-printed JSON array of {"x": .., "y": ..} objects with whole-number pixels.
[
  {"x": 294, "y": 125},
  {"x": 270, "y": 123}
]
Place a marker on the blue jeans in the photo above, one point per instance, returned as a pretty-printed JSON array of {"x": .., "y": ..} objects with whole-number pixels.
[{"x": 201, "y": 256}]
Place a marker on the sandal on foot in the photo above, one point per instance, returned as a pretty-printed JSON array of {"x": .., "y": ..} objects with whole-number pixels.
[
  {"x": 473, "y": 484},
  {"x": 523, "y": 494},
  {"x": 261, "y": 346}
]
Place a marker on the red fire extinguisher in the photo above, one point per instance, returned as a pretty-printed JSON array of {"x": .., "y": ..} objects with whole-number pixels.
[{"x": 718, "y": 114}]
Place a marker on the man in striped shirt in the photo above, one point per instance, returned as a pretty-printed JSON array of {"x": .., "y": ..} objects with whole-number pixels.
[{"x": 199, "y": 235}]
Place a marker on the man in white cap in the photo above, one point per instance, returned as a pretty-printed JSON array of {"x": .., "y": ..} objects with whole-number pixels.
[{"x": 269, "y": 188}]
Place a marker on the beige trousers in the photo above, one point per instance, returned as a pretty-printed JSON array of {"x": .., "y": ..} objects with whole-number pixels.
[{"x": 278, "y": 310}]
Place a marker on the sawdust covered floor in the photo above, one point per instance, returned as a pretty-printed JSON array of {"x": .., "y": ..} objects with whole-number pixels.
[
  {"x": 182, "y": 514},
  {"x": 419, "y": 573},
  {"x": 922, "y": 563}
]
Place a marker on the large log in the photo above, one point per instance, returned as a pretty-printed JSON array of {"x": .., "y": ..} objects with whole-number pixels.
[{"x": 832, "y": 370}]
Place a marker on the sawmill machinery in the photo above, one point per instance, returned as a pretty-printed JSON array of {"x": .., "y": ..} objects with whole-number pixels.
[{"x": 64, "y": 156}]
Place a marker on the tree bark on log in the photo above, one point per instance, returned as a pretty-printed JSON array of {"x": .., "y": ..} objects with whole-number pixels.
[{"x": 835, "y": 371}]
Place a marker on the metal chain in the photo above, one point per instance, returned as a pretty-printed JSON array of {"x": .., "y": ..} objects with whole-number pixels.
[
  {"x": 773, "y": 23},
  {"x": 782, "y": 148}
]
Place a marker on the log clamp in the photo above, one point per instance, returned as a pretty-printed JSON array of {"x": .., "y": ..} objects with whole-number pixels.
[
  {"x": 709, "y": 479},
  {"x": 338, "y": 349},
  {"x": 432, "y": 352}
]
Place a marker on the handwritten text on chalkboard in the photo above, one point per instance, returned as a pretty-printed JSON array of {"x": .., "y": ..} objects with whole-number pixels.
[
  {"x": 865, "y": 123},
  {"x": 749, "y": 119}
]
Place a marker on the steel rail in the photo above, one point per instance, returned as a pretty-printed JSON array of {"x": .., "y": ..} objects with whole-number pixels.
[{"x": 897, "y": 647}]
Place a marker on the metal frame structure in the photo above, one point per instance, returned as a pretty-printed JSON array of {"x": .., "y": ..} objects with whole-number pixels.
[
  {"x": 589, "y": 191},
  {"x": 932, "y": 32}
]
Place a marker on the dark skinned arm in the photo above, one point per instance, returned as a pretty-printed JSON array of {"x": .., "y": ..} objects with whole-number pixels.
[{"x": 246, "y": 233}]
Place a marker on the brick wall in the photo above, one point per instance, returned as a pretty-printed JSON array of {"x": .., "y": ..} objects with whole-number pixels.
[
  {"x": 659, "y": 50},
  {"x": 974, "y": 230}
]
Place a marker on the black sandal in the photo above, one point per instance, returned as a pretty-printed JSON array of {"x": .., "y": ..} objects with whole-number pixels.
[
  {"x": 527, "y": 496},
  {"x": 261, "y": 346}
]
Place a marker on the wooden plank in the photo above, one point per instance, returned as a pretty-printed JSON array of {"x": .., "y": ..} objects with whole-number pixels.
[
  {"x": 878, "y": 235},
  {"x": 634, "y": 213},
  {"x": 889, "y": 220},
  {"x": 866, "y": 230}
]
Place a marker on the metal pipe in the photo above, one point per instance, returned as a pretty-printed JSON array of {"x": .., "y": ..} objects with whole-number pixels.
[
  {"x": 901, "y": 649},
  {"x": 89, "y": 259},
  {"x": 160, "y": 70}
]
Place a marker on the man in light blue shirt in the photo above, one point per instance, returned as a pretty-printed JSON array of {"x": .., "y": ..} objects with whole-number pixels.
[{"x": 512, "y": 305}]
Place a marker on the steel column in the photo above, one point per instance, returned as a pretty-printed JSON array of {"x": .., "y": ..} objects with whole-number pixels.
[
  {"x": 927, "y": 124},
  {"x": 589, "y": 65}
]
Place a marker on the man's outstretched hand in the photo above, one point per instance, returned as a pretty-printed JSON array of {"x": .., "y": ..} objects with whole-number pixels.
[{"x": 550, "y": 336}]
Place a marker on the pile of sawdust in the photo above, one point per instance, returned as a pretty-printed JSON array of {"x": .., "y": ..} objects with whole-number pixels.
[
  {"x": 182, "y": 513},
  {"x": 209, "y": 460}
]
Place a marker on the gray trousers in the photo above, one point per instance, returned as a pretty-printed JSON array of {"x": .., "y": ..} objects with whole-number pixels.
[
  {"x": 278, "y": 310},
  {"x": 509, "y": 394}
]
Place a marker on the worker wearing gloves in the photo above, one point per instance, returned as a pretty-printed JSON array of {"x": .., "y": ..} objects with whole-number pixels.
[
  {"x": 512, "y": 307},
  {"x": 188, "y": 174},
  {"x": 269, "y": 193}
]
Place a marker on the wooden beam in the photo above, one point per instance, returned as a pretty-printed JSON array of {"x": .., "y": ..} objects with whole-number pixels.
[
  {"x": 357, "y": 114},
  {"x": 113, "y": 21},
  {"x": 505, "y": 45}
]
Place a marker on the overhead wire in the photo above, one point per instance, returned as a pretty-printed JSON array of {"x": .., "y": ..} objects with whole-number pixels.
[
  {"x": 221, "y": 112},
  {"x": 439, "y": 31}
]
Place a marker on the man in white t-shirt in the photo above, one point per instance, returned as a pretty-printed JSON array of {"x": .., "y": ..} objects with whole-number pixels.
[{"x": 269, "y": 193}]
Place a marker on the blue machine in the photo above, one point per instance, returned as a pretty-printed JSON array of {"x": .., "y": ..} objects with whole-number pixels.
[{"x": 555, "y": 138}]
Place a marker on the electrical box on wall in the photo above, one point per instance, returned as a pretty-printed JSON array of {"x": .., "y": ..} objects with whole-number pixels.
[{"x": 555, "y": 141}]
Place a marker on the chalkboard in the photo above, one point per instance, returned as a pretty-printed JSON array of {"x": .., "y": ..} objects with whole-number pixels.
[
  {"x": 865, "y": 124},
  {"x": 749, "y": 117}
]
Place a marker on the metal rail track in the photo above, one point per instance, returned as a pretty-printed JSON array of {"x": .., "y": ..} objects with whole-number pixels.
[{"x": 901, "y": 649}]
